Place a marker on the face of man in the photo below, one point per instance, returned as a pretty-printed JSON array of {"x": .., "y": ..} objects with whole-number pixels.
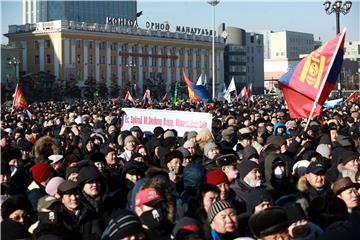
[
  {"x": 136, "y": 134},
  {"x": 333, "y": 135},
  {"x": 174, "y": 165},
  {"x": 225, "y": 221},
  {"x": 71, "y": 201},
  {"x": 192, "y": 150},
  {"x": 277, "y": 236},
  {"x": 263, "y": 205},
  {"x": 130, "y": 145},
  {"x": 4, "y": 141},
  {"x": 100, "y": 166},
  {"x": 209, "y": 198},
  {"x": 89, "y": 146},
  {"x": 230, "y": 172},
  {"x": 317, "y": 180},
  {"x": 351, "y": 198},
  {"x": 19, "y": 216},
  {"x": 253, "y": 175},
  {"x": 133, "y": 177},
  {"x": 352, "y": 165},
  {"x": 92, "y": 188},
  {"x": 110, "y": 158},
  {"x": 224, "y": 190},
  {"x": 213, "y": 152}
]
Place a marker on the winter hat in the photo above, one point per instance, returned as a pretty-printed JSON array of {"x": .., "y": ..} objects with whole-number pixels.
[
  {"x": 193, "y": 175},
  {"x": 245, "y": 167},
  {"x": 225, "y": 160},
  {"x": 169, "y": 133},
  {"x": 55, "y": 158},
  {"x": 227, "y": 133},
  {"x": 324, "y": 150},
  {"x": 129, "y": 138},
  {"x": 52, "y": 186},
  {"x": 208, "y": 147},
  {"x": 173, "y": 154},
  {"x": 186, "y": 228},
  {"x": 123, "y": 224},
  {"x": 184, "y": 151},
  {"x": 257, "y": 196},
  {"x": 294, "y": 212},
  {"x": 106, "y": 150},
  {"x": 250, "y": 152},
  {"x": 158, "y": 131},
  {"x": 344, "y": 141},
  {"x": 268, "y": 221},
  {"x": 88, "y": 174},
  {"x": 300, "y": 167},
  {"x": 170, "y": 142},
  {"x": 315, "y": 167},
  {"x": 189, "y": 144},
  {"x": 14, "y": 203},
  {"x": 191, "y": 134},
  {"x": 342, "y": 184},
  {"x": 276, "y": 140},
  {"x": 216, "y": 176},
  {"x": 148, "y": 196},
  {"x": 46, "y": 202},
  {"x": 347, "y": 156},
  {"x": 133, "y": 167},
  {"x": 41, "y": 171},
  {"x": 216, "y": 208},
  {"x": 67, "y": 187},
  {"x": 70, "y": 170},
  {"x": 14, "y": 230}
]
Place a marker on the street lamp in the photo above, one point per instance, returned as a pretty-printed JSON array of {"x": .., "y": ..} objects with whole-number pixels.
[
  {"x": 213, "y": 3},
  {"x": 14, "y": 62},
  {"x": 337, "y": 7}
]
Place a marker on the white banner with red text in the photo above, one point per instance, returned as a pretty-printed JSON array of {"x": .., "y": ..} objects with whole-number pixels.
[{"x": 181, "y": 121}]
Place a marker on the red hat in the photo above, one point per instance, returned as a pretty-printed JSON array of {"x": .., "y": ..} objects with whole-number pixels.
[
  {"x": 41, "y": 171},
  {"x": 147, "y": 196},
  {"x": 216, "y": 177}
]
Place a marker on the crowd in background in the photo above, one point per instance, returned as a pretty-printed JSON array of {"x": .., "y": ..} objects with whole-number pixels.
[{"x": 71, "y": 172}]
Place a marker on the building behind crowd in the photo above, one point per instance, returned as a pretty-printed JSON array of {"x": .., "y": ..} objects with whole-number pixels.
[
  {"x": 125, "y": 54},
  {"x": 35, "y": 11}
]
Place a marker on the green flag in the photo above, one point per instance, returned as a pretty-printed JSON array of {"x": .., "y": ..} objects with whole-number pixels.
[
  {"x": 96, "y": 93},
  {"x": 175, "y": 92}
]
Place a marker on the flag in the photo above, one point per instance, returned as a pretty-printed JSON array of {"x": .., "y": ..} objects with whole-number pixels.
[
  {"x": 139, "y": 14},
  {"x": 230, "y": 89},
  {"x": 352, "y": 98},
  {"x": 19, "y": 98},
  {"x": 249, "y": 93},
  {"x": 175, "y": 92},
  {"x": 243, "y": 93},
  {"x": 165, "y": 98},
  {"x": 146, "y": 98},
  {"x": 128, "y": 97},
  {"x": 332, "y": 103},
  {"x": 309, "y": 83},
  {"x": 201, "y": 80},
  {"x": 29, "y": 114},
  {"x": 96, "y": 93},
  {"x": 196, "y": 92}
]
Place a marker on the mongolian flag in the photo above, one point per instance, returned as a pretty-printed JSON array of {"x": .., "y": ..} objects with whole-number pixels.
[
  {"x": 309, "y": 83},
  {"x": 146, "y": 98},
  {"x": 249, "y": 93},
  {"x": 197, "y": 93},
  {"x": 352, "y": 98},
  {"x": 129, "y": 98},
  {"x": 19, "y": 98}
]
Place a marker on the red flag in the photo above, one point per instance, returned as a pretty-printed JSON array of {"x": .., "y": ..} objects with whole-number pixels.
[
  {"x": 19, "y": 98},
  {"x": 128, "y": 97},
  {"x": 249, "y": 93},
  {"x": 165, "y": 98},
  {"x": 352, "y": 98},
  {"x": 307, "y": 86}
]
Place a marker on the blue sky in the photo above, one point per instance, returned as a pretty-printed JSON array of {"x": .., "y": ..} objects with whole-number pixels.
[{"x": 302, "y": 16}]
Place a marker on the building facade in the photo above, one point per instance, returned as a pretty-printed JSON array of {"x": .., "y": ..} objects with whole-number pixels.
[
  {"x": 35, "y": 11},
  {"x": 107, "y": 53},
  {"x": 255, "y": 61},
  {"x": 352, "y": 51}
]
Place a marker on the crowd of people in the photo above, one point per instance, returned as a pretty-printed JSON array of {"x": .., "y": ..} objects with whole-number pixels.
[{"x": 69, "y": 171}]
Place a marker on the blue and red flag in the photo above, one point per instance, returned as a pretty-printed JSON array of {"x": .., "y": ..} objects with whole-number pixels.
[
  {"x": 146, "y": 98},
  {"x": 196, "y": 92},
  {"x": 310, "y": 82}
]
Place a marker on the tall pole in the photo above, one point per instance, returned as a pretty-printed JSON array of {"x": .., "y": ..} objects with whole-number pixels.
[
  {"x": 213, "y": 3},
  {"x": 213, "y": 55}
]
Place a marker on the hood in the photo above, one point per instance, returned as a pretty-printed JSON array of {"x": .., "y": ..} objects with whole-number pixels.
[
  {"x": 193, "y": 175},
  {"x": 269, "y": 167},
  {"x": 277, "y": 125}
]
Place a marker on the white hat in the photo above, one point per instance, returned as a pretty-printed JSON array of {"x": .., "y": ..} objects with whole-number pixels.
[{"x": 55, "y": 158}]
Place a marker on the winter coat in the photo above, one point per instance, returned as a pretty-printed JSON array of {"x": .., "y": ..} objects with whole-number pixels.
[{"x": 34, "y": 192}]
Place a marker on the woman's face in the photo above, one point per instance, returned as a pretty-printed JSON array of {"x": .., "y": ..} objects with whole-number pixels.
[
  {"x": 89, "y": 146},
  {"x": 143, "y": 152}
]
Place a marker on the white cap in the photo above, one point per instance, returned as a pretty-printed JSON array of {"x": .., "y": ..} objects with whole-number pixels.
[{"x": 55, "y": 158}]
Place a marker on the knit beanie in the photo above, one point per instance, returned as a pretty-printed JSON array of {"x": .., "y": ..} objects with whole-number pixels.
[
  {"x": 129, "y": 138},
  {"x": 189, "y": 144},
  {"x": 41, "y": 171},
  {"x": 245, "y": 167},
  {"x": 216, "y": 176},
  {"x": 216, "y": 208},
  {"x": 88, "y": 174},
  {"x": 52, "y": 186},
  {"x": 123, "y": 224},
  {"x": 14, "y": 203},
  {"x": 347, "y": 156},
  {"x": 208, "y": 147},
  {"x": 324, "y": 150}
]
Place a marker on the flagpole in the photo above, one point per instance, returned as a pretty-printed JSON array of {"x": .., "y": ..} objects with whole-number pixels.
[
  {"x": 324, "y": 81},
  {"x": 12, "y": 108}
]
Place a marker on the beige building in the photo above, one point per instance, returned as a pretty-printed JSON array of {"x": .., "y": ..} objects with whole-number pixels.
[{"x": 79, "y": 51}]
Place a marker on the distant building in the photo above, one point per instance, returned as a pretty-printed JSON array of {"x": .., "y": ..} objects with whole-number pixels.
[
  {"x": 129, "y": 56},
  {"x": 35, "y": 11},
  {"x": 9, "y": 73},
  {"x": 352, "y": 51},
  {"x": 285, "y": 50},
  {"x": 255, "y": 61}
]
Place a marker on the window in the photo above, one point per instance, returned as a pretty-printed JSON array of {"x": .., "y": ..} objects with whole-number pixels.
[
  {"x": 36, "y": 44},
  {"x": 78, "y": 43},
  {"x": 48, "y": 59},
  {"x": 90, "y": 44},
  {"x": 36, "y": 59},
  {"x": 47, "y": 44},
  {"x": 103, "y": 60},
  {"x": 78, "y": 59},
  {"x": 91, "y": 59}
]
